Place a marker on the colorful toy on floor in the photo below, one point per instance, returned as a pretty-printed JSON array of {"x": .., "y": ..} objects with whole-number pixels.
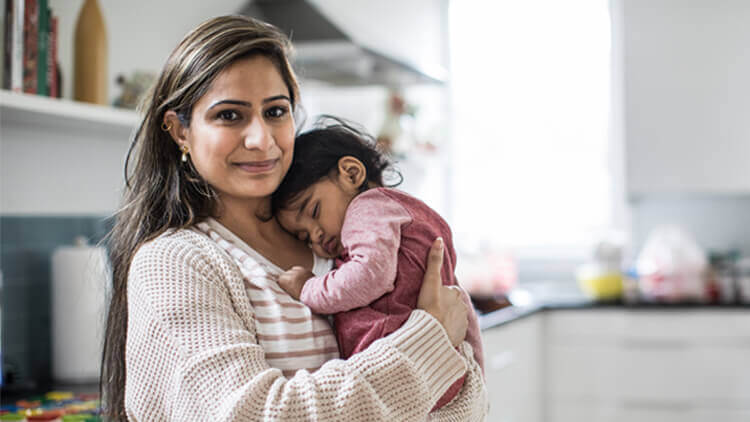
[{"x": 55, "y": 406}]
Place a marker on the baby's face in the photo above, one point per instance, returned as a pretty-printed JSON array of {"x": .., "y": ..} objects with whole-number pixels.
[{"x": 317, "y": 215}]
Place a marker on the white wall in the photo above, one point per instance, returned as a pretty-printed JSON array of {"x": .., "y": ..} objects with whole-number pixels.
[
  {"x": 621, "y": 212},
  {"x": 49, "y": 171}
]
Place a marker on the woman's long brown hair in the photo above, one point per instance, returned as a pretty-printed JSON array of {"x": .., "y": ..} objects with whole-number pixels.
[{"x": 161, "y": 192}]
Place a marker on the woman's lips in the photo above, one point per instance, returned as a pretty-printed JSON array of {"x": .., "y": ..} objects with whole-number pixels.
[{"x": 257, "y": 167}]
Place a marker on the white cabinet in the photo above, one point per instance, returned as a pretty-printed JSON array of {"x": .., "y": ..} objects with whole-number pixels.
[
  {"x": 667, "y": 412},
  {"x": 687, "y": 95},
  {"x": 618, "y": 365},
  {"x": 513, "y": 370}
]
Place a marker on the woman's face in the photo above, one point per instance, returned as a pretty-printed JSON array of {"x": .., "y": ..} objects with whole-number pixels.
[{"x": 241, "y": 134}]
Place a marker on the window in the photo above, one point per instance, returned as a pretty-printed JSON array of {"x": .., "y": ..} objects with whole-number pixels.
[{"x": 530, "y": 93}]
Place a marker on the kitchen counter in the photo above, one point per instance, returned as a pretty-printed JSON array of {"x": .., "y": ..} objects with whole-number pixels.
[
  {"x": 570, "y": 300},
  {"x": 592, "y": 361}
]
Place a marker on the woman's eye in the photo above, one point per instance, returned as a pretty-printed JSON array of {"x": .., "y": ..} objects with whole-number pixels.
[
  {"x": 276, "y": 112},
  {"x": 316, "y": 211},
  {"x": 228, "y": 115}
]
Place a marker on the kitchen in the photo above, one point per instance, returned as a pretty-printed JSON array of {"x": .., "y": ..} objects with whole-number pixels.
[{"x": 668, "y": 145}]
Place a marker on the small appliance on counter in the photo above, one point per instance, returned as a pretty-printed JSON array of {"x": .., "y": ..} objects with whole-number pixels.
[
  {"x": 1, "y": 325},
  {"x": 78, "y": 298}
]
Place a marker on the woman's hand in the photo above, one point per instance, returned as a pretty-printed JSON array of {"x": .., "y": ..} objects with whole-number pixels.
[{"x": 443, "y": 302}]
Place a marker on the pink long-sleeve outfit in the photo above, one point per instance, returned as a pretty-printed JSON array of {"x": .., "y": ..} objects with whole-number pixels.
[{"x": 386, "y": 238}]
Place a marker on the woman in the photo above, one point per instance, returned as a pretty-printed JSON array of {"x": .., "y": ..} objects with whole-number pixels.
[{"x": 191, "y": 329}]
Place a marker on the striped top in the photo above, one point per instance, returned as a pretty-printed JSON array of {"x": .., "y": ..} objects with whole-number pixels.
[{"x": 292, "y": 336}]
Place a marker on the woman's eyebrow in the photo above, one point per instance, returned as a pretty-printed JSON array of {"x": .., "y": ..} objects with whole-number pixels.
[
  {"x": 248, "y": 104},
  {"x": 277, "y": 97},
  {"x": 234, "y": 102}
]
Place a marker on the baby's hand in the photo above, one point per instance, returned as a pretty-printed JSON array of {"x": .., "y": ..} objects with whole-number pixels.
[{"x": 293, "y": 279}]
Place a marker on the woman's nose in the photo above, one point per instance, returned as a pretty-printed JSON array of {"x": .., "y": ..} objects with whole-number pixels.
[{"x": 258, "y": 135}]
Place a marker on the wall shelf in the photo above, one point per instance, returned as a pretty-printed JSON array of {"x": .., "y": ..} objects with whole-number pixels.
[{"x": 36, "y": 111}]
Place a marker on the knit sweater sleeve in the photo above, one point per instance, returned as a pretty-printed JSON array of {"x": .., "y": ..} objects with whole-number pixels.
[
  {"x": 191, "y": 356},
  {"x": 471, "y": 403}
]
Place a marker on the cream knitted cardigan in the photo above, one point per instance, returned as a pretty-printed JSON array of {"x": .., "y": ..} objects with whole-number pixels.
[{"x": 192, "y": 355}]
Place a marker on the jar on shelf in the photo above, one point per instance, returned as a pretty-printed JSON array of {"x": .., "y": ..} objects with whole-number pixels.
[
  {"x": 743, "y": 280},
  {"x": 721, "y": 280}
]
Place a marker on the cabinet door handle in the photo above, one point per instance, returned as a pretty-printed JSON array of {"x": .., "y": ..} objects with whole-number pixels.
[
  {"x": 502, "y": 360},
  {"x": 642, "y": 343},
  {"x": 670, "y": 405}
]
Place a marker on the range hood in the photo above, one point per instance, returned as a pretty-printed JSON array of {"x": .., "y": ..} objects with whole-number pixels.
[{"x": 323, "y": 52}]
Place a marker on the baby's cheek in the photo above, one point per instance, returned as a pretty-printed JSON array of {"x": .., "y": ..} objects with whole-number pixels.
[{"x": 285, "y": 222}]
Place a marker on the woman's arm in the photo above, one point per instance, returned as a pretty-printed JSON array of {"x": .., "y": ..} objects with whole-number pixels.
[
  {"x": 471, "y": 403},
  {"x": 190, "y": 356},
  {"x": 444, "y": 303}
]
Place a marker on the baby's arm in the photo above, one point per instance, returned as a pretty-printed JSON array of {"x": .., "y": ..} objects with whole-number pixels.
[{"x": 372, "y": 235}]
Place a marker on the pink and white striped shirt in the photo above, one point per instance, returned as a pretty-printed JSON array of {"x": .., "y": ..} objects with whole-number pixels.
[{"x": 292, "y": 336}]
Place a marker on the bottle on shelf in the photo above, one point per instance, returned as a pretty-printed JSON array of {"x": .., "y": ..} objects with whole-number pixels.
[{"x": 90, "y": 65}]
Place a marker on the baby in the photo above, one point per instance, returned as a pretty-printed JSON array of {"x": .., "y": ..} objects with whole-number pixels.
[{"x": 334, "y": 198}]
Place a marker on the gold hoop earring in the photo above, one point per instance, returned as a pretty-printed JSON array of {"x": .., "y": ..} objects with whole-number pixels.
[
  {"x": 184, "y": 150},
  {"x": 166, "y": 127}
]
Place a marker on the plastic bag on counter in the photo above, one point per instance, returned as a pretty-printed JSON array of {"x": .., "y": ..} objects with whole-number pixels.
[
  {"x": 672, "y": 266},
  {"x": 488, "y": 274}
]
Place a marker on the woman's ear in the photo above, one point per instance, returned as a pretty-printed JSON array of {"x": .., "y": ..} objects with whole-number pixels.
[
  {"x": 352, "y": 173},
  {"x": 174, "y": 127}
]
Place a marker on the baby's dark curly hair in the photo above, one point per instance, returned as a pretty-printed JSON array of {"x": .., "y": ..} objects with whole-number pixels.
[{"x": 317, "y": 153}]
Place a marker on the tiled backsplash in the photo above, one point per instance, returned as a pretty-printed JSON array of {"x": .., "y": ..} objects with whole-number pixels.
[
  {"x": 26, "y": 246},
  {"x": 718, "y": 222}
]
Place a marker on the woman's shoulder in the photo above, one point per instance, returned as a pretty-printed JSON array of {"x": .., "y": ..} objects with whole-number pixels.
[
  {"x": 175, "y": 240},
  {"x": 178, "y": 248}
]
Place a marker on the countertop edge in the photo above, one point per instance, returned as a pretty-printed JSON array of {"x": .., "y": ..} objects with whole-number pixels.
[{"x": 513, "y": 313}]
